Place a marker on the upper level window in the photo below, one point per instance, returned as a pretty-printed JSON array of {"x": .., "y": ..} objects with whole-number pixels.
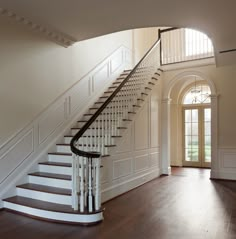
[
  {"x": 198, "y": 94},
  {"x": 197, "y": 43}
]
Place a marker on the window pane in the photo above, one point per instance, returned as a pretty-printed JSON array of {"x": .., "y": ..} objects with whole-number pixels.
[
  {"x": 198, "y": 94},
  {"x": 194, "y": 115},
  {"x": 188, "y": 141},
  {"x": 194, "y": 128},
  {"x": 188, "y": 128},
  {"x": 195, "y": 153},
  {"x": 187, "y": 154},
  {"x": 187, "y": 115},
  {"x": 207, "y": 114},
  {"x": 207, "y": 128}
]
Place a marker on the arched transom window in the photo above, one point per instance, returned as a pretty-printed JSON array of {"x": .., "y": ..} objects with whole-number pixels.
[{"x": 197, "y": 94}]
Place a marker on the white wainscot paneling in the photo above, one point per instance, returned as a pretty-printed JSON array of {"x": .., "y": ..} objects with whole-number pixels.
[
  {"x": 13, "y": 157},
  {"x": 125, "y": 144},
  {"x": 154, "y": 120},
  {"x": 228, "y": 159},
  {"x": 100, "y": 78},
  {"x": 122, "y": 168},
  {"x": 116, "y": 61},
  {"x": 79, "y": 94},
  {"x": 141, "y": 162},
  {"x": 105, "y": 170},
  {"x": 141, "y": 129},
  {"x": 51, "y": 121},
  {"x": 154, "y": 159}
]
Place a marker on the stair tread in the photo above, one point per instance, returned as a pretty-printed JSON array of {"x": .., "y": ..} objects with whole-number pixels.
[
  {"x": 51, "y": 175},
  {"x": 56, "y": 164},
  {"x": 48, "y": 206},
  {"x": 47, "y": 189}
]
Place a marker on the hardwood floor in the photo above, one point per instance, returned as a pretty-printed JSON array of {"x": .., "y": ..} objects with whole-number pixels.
[{"x": 184, "y": 205}]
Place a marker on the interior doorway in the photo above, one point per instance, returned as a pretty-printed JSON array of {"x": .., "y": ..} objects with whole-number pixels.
[{"x": 196, "y": 108}]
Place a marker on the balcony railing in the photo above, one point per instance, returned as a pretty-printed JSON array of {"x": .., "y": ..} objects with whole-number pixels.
[{"x": 184, "y": 44}]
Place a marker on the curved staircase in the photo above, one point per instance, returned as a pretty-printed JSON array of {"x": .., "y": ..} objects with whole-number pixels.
[{"x": 57, "y": 191}]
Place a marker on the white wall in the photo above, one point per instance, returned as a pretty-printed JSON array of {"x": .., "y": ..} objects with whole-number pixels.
[
  {"x": 35, "y": 71},
  {"x": 143, "y": 39}
]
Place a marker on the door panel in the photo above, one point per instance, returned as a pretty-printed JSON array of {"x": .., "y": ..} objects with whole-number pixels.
[{"x": 197, "y": 136}]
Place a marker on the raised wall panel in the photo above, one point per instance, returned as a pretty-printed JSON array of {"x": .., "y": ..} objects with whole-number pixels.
[
  {"x": 11, "y": 159},
  {"x": 79, "y": 94},
  {"x": 154, "y": 159},
  {"x": 51, "y": 121},
  {"x": 141, "y": 131},
  {"x": 116, "y": 61},
  {"x": 154, "y": 121},
  {"x": 125, "y": 144},
  {"x": 141, "y": 163},
  {"x": 122, "y": 168},
  {"x": 100, "y": 78},
  {"x": 228, "y": 158}
]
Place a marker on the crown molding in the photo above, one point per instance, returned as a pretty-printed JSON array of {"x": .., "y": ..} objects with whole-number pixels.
[{"x": 53, "y": 35}]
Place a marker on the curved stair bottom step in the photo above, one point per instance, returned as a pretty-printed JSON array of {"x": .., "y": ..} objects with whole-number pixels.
[{"x": 60, "y": 216}]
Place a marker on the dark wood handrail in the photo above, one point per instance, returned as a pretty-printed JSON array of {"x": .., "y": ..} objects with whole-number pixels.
[{"x": 90, "y": 154}]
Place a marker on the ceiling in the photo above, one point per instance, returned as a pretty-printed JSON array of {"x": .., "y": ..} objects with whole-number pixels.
[{"x": 77, "y": 20}]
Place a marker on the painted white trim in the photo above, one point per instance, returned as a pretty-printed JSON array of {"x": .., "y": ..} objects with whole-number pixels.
[{"x": 59, "y": 216}]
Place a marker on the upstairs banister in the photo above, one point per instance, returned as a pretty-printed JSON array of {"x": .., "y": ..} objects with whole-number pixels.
[{"x": 82, "y": 153}]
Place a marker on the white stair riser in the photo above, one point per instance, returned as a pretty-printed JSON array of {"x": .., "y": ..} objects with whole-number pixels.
[
  {"x": 87, "y": 133},
  {"x": 63, "y": 217},
  {"x": 63, "y": 149},
  {"x": 43, "y": 196},
  {"x": 89, "y": 140},
  {"x": 59, "y": 158},
  {"x": 52, "y": 182},
  {"x": 55, "y": 169},
  {"x": 66, "y": 149}
]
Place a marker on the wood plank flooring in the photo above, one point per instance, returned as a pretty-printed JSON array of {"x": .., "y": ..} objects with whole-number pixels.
[{"x": 184, "y": 205}]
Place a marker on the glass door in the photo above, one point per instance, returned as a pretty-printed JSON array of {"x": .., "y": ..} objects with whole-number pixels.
[{"x": 197, "y": 136}]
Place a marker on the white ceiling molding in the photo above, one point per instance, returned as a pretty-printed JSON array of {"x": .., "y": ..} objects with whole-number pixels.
[{"x": 53, "y": 35}]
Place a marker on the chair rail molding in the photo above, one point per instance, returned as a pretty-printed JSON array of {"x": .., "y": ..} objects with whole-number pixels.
[{"x": 53, "y": 35}]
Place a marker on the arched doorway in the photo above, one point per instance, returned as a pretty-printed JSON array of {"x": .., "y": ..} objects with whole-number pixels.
[
  {"x": 172, "y": 134},
  {"x": 196, "y": 123}
]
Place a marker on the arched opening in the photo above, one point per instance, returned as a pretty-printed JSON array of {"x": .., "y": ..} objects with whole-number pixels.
[
  {"x": 196, "y": 125},
  {"x": 175, "y": 93}
]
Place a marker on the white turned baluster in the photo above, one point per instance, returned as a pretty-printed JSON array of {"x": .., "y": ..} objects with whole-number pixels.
[
  {"x": 97, "y": 184},
  {"x": 75, "y": 182},
  {"x": 90, "y": 188},
  {"x": 82, "y": 198}
]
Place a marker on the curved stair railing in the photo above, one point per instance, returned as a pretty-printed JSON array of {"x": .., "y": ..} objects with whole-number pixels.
[{"x": 98, "y": 133}]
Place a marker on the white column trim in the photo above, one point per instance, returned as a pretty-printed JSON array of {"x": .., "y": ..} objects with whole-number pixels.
[{"x": 165, "y": 136}]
